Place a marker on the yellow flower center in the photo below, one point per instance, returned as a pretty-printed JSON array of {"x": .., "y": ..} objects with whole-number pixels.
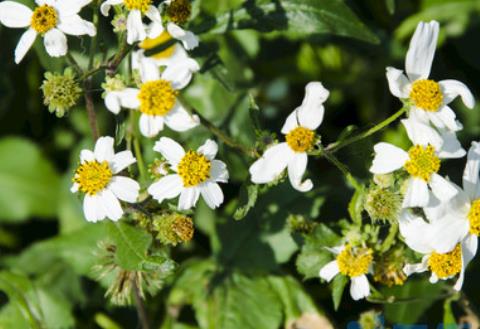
[
  {"x": 44, "y": 18},
  {"x": 423, "y": 162},
  {"x": 92, "y": 176},
  {"x": 300, "y": 139},
  {"x": 153, "y": 43},
  {"x": 474, "y": 217},
  {"x": 354, "y": 262},
  {"x": 427, "y": 95},
  {"x": 194, "y": 168},
  {"x": 157, "y": 97},
  {"x": 141, "y": 5},
  {"x": 179, "y": 11},
  {"x": 446, "y": 265}
]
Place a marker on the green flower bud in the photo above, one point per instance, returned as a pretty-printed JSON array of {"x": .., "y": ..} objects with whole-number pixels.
[
  {"x": 174, "y": 228},
  {"x": 384, "y": 180},
  {"x": 119, "y": 23},
  {"x": 298, "y": 223},
  {"x": 60, "y": 91},
  {"x": 383, "y": 204},
  {"x": 179, "y": 11},
  {"x": 370, "y": 320},
  {"x": 113, "y": 83}
]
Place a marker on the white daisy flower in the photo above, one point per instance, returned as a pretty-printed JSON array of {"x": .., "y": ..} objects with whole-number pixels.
[
  {"x": 136, "y": 29},
  {"x": 459, "y": 218},
  {"x": 429, "y": 99},
  {"x": 196, "y": 172},
  {"x": 421, "y": 237},
  {"x": 421, "y": 162},
  {"x": 354, "y": 262},
  {"x": 96, "y": 176},
  {"x": 52, "y": 19},
  {"x": 299, "y": 129},
  {"x": 156, "y": 99}
]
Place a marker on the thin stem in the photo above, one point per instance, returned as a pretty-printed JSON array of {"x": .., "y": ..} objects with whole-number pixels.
[
  {"x": 338, "y": 145},
  {"x": 138, "y": 155},
  {"x": 390, "y": 239},
  {"x": 342, "y": 167},
  {"x": 74, "y": 63},
  {"x": 92, "y": 118},
  {"x": 93, "y": 43},
  {"x": 142, "y": 313},
  {"x": 113, "y": 64}
]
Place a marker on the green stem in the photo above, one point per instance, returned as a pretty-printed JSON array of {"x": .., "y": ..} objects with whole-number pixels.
[
  {"x": 338, "y": 145},
  {"x": 74, "y": 63},
  {"x": 390, "y": 239},
  {"x": 138, "y": 154},
  {"x": 342, "y": 167}
]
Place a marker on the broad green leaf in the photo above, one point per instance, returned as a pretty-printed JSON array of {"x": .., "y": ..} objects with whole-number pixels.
[
  {"x": 296, "y": 19},
  {"x": 29, "y": 183},
  {"x": 338, "y": 286}
]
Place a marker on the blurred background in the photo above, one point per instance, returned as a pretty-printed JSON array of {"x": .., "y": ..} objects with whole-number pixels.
[{"x": 43, "y": 234}]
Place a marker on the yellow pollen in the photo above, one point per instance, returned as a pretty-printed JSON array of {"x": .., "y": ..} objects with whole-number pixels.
[
  {"x": 300, "y": 139},
  {"x": 446, "y": 265},
  {"x": 354, "y": 262},
  {"x": 141, "y": 5},
  {"x": 153, "y": 43},
  {"x": 44, "y": 18},
  {"x": 474, "y": 217},
  {"x": 427, "y": 95},
  {"x": 423, "y": 162},
  {"x": 157, "y": 97},
  {"x": 194, "y": 168},
  {"x": 92, "y": 176}
]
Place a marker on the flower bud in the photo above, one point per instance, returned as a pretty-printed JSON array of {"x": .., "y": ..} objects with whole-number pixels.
[
  {"x": 384, "y": 180},
  {"x": 174, "y": 228},
  {"x": 113, "y": 83},
  {"x": 60, "y": 91},
  {"x": 383, "y": 204},
  {"x": 119, "y": 23},
  {"x": 179, "y": 11},
  {"x": 158, "y": 169},
  {"x": 388, "y": 268}
]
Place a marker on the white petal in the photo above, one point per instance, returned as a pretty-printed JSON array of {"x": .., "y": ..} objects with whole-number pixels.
[
  {"x": 417, "y": 194},
  {"x": 112, "y": 102},
  {"x": 291, "y": 122},
  {"x": 167, "y": 187},
  {"x": 72, "y": 7},
  {"x": 218, "y": 171},
  {"x": 105, "y": 7},
  {"x": 451, "y": 147},
  {"x": 179, "y": 119},
  {"x": 75, "y": 25},
  {"x": 24, "y": 44},
  {"x": 135, "y": 27},
  {"x": 122, "y": 160},
  {"x": 397, "y": 82},
  {"x": 388, "y": 158},
  {"x": 416, "y": 232},
  {"x": 150, "y": 125},
  {"x": 129, "y": 98},
  {"x": 170, "y": 150},
  {"x": 359, "y": 287},
  {"x": 310, "y": 113},
  {"x": 442, "y": 188},
  {"x": 124, "y": 188},
  {"x": 209, "y": 149},
  {"x": 104, "y": 149},
  {"x": 14, "y": 14},
  {"x": 156, "y": 27},
  {"x": 180, "y": 72},
  {"x": 74, "y": 188},
  {"x": 188, "y": 39},
  {"x": 92, "y": 208},
  {"x": 188, "y": 198},
  {"x": 271, "y": 164},
  {"x": 329, "y": 271},
  {"x": 409, "y": 269},
  {"x": 86, "y": 155},
  {"x": 469, "y": 249},
  {"x": 113, "y": 209},
  {"x": 149, "y": 70},
  {"x": 448, "y": 231},
  {"x": 421, "y": 51},
  {"x": 296, "y": 170},
  {"x": 422, "y": 134},
  {"x": 470, "y": 174},
  {"x": 453, "y": 88},
  {"x": 55, "y": 43},
  {"x": 212, "y": 194},
  {"x": 448, "y": 119}
]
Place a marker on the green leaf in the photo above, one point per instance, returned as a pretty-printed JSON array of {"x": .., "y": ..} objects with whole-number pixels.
[
  {"x": 29, "y": 183},
  {"x": 338, "y": 286},
  {"x": 390, "y": 6},
  {"x": 248, "y": 197},
  {"x": 296, "y": 19},
  {"x": 356, "y": 205}
]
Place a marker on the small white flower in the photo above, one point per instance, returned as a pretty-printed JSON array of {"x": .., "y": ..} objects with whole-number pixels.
[
  {"x": 156, "y": 99},
  {"x": 299, "y": 129},
  {"x": 422, "y": 237},
  {"x": 429, "y": 99},
  {"x": 52, "y": 19},
  {"x": 196, "y": 173},
  {"x": 96, "y": 176},
  {"x": 136, "y": 29},
  {"x": 422, "y": 162},
  {"x": 354, "y": 262}
]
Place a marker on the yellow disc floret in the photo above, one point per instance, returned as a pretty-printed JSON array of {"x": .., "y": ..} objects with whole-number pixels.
[
  {"x": 179, "y": 11},
  {"x": 446, "y": 265},
  {"x": 354, "y": 261},
  {"x": 300, "y": 139},
  {"x": 157, "y": 97},
  {"x": 423, "y": 162},
  {"x": 44, "y": 18},
  {"x": 92, "y": 176},
  {"x": 194, "y": 168},
  {"x": 160, "y": 40},
  {"x": 474, "y": 217},
  {"x": 427, "y": 95},
  {"x": 141, "y": 5}
]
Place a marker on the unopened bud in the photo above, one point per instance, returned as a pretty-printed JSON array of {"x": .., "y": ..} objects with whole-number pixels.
[{"x": 60, "y": 91}]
